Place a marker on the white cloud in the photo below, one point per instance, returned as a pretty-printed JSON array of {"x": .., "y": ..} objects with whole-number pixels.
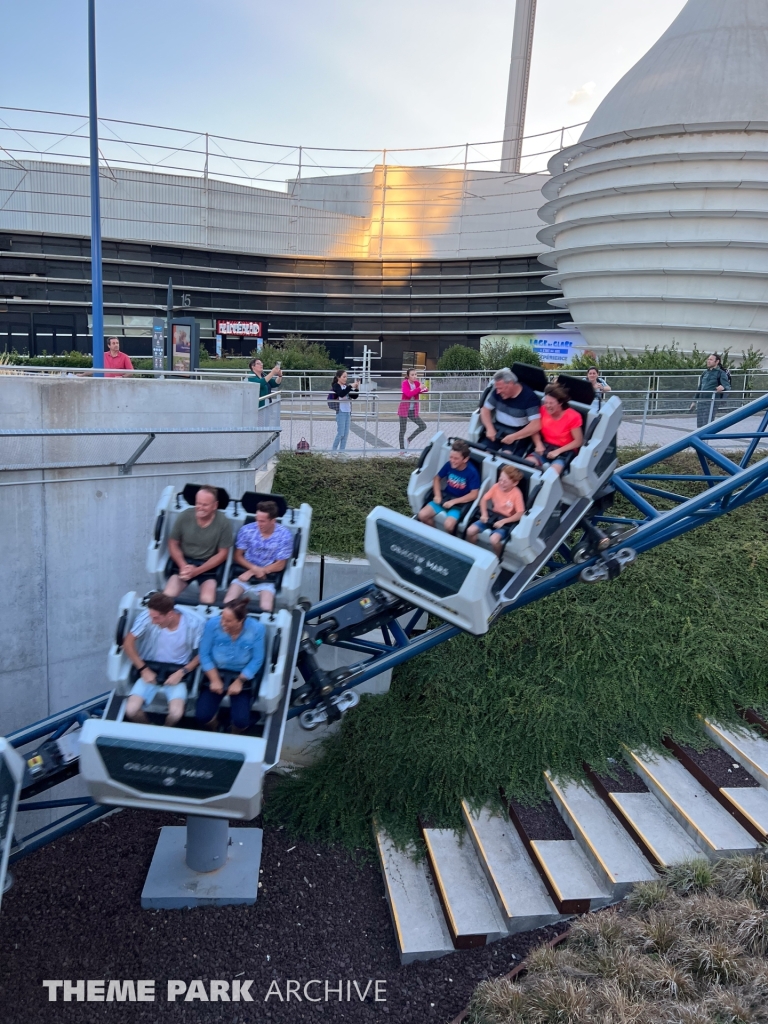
[{"x": 583, "y": 94}]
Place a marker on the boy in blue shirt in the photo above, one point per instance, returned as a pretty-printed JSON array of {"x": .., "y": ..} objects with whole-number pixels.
[{"x": 462, "y": 482}]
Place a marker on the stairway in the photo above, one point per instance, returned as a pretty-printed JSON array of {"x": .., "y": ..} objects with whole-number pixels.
[{"x": 582, "y": 850}]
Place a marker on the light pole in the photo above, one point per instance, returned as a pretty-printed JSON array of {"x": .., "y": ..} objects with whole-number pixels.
[{"x": 97, "y": 290}]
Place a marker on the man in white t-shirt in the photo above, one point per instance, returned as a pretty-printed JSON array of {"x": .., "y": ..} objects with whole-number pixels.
[{"x": 162, "y": 647}]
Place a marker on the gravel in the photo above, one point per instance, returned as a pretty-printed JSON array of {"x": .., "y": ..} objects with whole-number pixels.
[
  {"x": 622, "y": 780},
  {"x": 542, "y": 821},
  {"x": 74, "y": 913},
  {"x": 721, "y": 768}
]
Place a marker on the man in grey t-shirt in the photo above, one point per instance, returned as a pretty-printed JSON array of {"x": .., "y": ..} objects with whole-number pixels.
[{"x": 199, "y": 543}]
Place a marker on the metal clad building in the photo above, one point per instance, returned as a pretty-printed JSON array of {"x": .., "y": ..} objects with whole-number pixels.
[{"x": 419, "y": 258}]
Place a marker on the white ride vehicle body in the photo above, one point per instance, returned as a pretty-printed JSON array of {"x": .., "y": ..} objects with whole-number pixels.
[
  {"x": 465, "y": 583},
  {"x": 240, "y": 511}
]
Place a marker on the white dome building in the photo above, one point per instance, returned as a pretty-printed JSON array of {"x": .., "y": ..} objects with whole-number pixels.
[{"x": 658, "y": 216}]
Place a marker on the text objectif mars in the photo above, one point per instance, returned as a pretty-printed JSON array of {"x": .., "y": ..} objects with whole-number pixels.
[{"x": 237, "y": 990}]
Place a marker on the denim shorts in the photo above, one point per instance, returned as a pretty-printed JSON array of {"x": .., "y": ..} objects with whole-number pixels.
[
  {"x": 452, "y": 513},
  {"x": 503, "y": 531},
  {"x": 149, "y": 691},
  {"x": 251, "y": 589}
]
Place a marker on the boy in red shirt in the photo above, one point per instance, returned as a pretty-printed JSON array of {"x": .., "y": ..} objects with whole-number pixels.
[
  {"x": 561, "y": 431},
  {"x": 500, "y": 508},
  {"x": 114, "y": 359}
]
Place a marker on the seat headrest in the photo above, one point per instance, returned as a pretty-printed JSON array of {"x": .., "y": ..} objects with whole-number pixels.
[
  {"x": 190, "y": 493},
  {"x": 533, "y": 376},
  {"x": 578, "y": 390},
  {"x": 251, "y": 499}
]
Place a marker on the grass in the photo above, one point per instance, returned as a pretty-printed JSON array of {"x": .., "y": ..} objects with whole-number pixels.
[
  {"x": 341, "y": 494},
  {"x": 686, "y": 955},
  {"x": 681, "y": 633}
]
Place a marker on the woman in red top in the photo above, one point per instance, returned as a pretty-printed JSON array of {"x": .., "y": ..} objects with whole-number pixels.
[
  {"x": 409, "y": 407},
  {"x": 561, "y": 431}
]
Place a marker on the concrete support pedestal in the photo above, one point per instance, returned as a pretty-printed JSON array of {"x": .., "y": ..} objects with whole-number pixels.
[{"x": 203, "y": 865}]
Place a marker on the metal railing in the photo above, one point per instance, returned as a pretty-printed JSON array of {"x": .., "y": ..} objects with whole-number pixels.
[
  {"x": 37, "y": 451},
  {"x": 375, "y": 425}
]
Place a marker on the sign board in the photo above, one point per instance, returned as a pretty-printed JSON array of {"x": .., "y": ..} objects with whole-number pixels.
[
  {"x": 184, "y": 344},
  {"x": 211, "y": 774},
  {"x": 158, "y": 343},
  {"x": 551, "y": 346},
  {"x": 240, "y": 328},
  {"x": 11, "y": 775},
  {"x": 428, "y": 566}
]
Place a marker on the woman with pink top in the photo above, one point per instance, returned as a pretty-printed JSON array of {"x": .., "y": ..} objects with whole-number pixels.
[{"x": 409, "y": 408}]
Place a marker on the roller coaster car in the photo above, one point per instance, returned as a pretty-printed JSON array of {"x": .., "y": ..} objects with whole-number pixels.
[
  {"x": 596, "y": 460},
  {"x": 267, "y": 687},
  {"x": 464, "y": 583},
  {"x": 240, "y": 511}
]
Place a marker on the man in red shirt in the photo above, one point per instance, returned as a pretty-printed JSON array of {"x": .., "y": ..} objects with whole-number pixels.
[{"x": 114, "y": 359}]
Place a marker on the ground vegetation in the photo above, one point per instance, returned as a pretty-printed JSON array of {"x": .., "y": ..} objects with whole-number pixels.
[
  {"x": 663, "y": 357},
  {"x": 689, "y": 948},
  {"x": 567, "y": 679}
]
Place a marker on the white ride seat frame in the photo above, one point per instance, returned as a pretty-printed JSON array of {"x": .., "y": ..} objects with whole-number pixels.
[
  {"x": 276, "y": 652},
  {"x": 172, "y": 503}
]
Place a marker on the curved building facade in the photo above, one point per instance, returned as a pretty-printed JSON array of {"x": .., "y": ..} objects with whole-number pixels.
[
  {"x": 657, "y": 216},
  {"x": 413, "y": 260}
]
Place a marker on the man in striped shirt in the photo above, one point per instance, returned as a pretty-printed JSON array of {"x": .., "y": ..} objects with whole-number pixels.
[{"x": 510, "y": 415}]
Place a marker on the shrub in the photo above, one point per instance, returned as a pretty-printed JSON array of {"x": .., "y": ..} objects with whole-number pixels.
[
  {"x": 294, "y": 352},
  {"x": 664, "y": 357},
  {"x": 460, "y": 357},
  {"x": 498, "y": 352},
  {"x": 67, "y": 360}
]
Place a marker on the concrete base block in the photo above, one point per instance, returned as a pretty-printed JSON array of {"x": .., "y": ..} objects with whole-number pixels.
[{"x": 171, "y": 885}]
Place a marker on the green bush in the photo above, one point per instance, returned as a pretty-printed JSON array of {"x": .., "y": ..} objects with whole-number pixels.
[
  {"x": 497, "y": 353},
  {"x": 460, "y": 357},
  {"x": 664, "y": 357},
  {"x": 67, "y": 360},
  {"x": 341, "y": 495}
]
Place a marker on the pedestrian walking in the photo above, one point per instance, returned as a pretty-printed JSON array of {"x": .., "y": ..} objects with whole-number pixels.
[
  {"x": 713, "y": 384},
  {"x": 409, "y": 407}
]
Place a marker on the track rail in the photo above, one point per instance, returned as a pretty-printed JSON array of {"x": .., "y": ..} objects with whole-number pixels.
[{"x": 727, "y": 484}]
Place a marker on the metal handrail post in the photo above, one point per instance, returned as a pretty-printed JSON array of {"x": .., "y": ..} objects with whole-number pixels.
[{"x": 645, "y": 415}]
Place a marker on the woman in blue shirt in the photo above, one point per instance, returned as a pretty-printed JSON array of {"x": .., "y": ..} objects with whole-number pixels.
[{"x": 231, "y": 654}]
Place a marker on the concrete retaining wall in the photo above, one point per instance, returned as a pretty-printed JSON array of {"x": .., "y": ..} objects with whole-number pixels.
[{"x": 74, "y": 540}]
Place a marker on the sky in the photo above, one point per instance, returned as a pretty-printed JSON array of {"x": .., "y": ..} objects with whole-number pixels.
[{"x": 394, "y": 73}]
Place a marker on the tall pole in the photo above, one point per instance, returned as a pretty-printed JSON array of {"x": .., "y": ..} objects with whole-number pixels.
[
  {"x": 517, "y": 92},
  {"x": 97, "y": 290},
  {"x": 168, "y": 318}
]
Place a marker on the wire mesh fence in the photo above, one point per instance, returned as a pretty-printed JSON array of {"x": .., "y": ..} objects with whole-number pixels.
[{"x": 381, "y": 424}]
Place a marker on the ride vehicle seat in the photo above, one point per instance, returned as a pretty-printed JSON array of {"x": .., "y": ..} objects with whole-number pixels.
[
  {"x": 531, "y": 376},
  {"x": 190, "y": 595},
  {"x": 249, "y": 502}
]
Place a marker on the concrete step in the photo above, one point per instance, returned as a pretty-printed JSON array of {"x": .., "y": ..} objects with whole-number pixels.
[
  {"x": 417, "y": 917},
  {"x": 614, "y": 857},
  {"x": 710, "y": 826},
  {"x": 573, "y": 885},
  {"x": 521, "y": 896},
  {"x": 747, "y": 747},
  {"x": 664, "y": 841},
  {"x": 735, "y": 798},
  {"x": 469, "y": 904},
  {"x": 752, "y": 804}
]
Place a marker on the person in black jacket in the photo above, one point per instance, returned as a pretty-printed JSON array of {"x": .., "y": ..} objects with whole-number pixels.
[
  {"x": 344, "y": 392},
  {"x": 714, "y": 379}
]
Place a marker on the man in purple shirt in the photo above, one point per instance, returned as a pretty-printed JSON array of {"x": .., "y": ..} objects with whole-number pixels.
[{"x": 262, "y": 549}]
